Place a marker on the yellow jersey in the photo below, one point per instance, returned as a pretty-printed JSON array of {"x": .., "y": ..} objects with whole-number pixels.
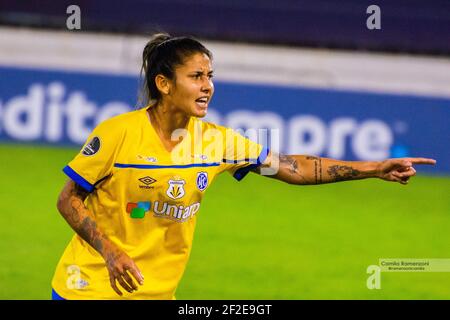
[{"x": 146, "y": 200}]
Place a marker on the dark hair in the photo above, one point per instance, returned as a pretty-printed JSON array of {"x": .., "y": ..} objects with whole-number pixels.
[{"x": 161, "y": 55}]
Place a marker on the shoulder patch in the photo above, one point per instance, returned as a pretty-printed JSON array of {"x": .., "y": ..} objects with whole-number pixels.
[{"x": 92, "y": 147}]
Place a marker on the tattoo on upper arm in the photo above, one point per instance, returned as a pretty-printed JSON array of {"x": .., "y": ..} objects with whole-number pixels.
[
  {"x": 76, "y": 202},
  {"x": 78, "y": 217},
  {"x": 80, "y": 191},
  {"x": 317, "y": 168},
  {"x": 75, "y": 207},
  {"x": 342, "y": 173}
]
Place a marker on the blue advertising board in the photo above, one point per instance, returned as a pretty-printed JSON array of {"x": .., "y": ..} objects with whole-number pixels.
[{"x": 57, "y": 107}]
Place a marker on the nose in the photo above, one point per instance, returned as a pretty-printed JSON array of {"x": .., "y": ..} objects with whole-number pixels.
[{"x": 207, "y": 86}]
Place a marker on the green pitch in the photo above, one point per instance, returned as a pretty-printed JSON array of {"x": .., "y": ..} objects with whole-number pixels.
[{"x": 256, "y": 239}]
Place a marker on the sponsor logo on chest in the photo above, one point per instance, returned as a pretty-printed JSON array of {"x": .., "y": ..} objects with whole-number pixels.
[{"x": 162, "y": 209}]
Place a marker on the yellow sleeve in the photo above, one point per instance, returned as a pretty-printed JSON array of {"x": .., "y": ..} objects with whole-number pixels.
[
  {"x": 242, "y": 154},
  {"x": 95, "y": 160}
]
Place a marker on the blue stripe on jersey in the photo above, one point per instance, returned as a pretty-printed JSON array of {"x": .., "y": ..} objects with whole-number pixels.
[
  {"x": 250, "y": 160},
  {"x": 78, "y": 179},
  {"x": 150, "y": 166},
  {"x": 242, "y": 172}
]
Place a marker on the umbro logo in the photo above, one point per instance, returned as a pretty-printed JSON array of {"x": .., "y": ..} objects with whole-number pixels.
[{"x": 147, "y": 181}]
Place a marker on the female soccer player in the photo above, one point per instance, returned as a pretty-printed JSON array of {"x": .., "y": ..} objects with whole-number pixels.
[{"x": 135, "y": 188}]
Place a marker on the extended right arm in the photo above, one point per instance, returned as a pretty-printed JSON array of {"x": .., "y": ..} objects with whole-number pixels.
[{"x": 71, "y": 206}]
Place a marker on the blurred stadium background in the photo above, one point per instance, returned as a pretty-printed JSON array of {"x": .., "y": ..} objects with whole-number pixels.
[{"x": 311, "y": 69}]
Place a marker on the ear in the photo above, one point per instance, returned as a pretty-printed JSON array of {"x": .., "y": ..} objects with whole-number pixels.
[{"x": 163, "y": 84}]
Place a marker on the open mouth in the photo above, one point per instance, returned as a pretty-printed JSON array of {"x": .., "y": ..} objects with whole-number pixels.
[{"x": 202, "y": 102}]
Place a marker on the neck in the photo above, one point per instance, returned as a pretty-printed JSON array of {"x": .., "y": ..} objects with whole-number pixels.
[{"x": 166, "y": 119}]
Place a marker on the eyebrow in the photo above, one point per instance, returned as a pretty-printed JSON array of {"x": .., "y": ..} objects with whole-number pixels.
[{"x": 201, "y": 72}]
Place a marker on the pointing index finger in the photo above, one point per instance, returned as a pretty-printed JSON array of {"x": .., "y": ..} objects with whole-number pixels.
[{"x": 421, "y": 160}]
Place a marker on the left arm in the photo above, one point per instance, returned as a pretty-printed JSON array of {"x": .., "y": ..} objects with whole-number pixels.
[{"x": 305, "y": 170}]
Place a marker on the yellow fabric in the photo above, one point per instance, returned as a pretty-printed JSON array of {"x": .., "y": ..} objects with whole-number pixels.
[{"x": 159, "y": 242}]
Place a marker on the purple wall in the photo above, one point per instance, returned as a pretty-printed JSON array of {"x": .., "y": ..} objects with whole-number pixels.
[{"x": 406, "y": 25}]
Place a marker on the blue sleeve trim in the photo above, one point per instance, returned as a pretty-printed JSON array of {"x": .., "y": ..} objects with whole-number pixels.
[
  {"x": 242, "y": 172},
  {"x": 56, "y": 296},
  {"x": 78, "y": 179}
]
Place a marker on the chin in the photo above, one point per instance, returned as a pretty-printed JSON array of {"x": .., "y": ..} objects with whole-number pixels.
[{"x": 200, "y": 113}]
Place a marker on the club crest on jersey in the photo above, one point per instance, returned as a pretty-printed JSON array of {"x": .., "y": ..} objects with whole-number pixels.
[
  {"x": 176, "y": 189},
  {"x": 202, "y": 180},
  {"x": 92, "y": 147}
]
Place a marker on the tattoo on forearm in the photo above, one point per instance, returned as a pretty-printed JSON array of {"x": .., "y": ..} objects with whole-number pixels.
[
  {"x": 320, "y": 170},
  {"x": 342, "y": 173},
  {"x": 291, "y": 164},
  {"x": 87, "y": 229},
  {"x": 317, "y": 168}
]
